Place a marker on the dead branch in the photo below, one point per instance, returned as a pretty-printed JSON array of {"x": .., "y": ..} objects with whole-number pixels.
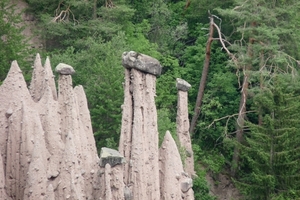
[
  {"x": 232, "y": 56},
  {"x": 109, "y": 4},
  {"x": 238, "y": 7},
  {"x": 228, "y": 118},
  {"x": 63, "y": 15},
  {"x": 224, "y": 46}
]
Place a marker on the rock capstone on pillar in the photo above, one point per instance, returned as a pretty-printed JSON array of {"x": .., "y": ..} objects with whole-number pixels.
[
  {"x": 111, "y": 174},
  {"x": 64, "y": 69},
  {"x": 182, "y": 85},
  {"x": 37, "y": 80},
  {"x": 110, "y": 156},
  {"x": 141, "y": 62}
]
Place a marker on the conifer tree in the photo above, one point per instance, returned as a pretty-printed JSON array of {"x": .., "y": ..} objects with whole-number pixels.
[
  {"x": 270, "y": 152},
  {"x": 258, "y": 42}
]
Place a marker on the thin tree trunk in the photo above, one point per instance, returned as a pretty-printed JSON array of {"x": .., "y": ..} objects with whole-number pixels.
[
  {"x": 203, "y": 78},
  {"x": 95, "y": 9},
  {"x": 240, "y": 124},
  {"x": 242, "y": 112},
  {"x": 261, "y": 85}
]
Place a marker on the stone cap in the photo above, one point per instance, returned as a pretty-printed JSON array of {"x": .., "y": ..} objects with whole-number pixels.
[
  {"x": 141, "y": 62},
  {"x": 64, "y": 69},
  {"x": 110, "y": 156},
  {"x": 182, "y": 84}
]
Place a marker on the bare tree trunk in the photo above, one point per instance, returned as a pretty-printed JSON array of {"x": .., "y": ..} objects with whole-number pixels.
[
  {"x": 242, "y": 112},
  {"x": 203, "y": 78},
  {"x": 240, "y": 124}
]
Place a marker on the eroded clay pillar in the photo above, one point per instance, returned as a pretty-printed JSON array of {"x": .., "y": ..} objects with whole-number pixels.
[
  {"x": 139, "y": 134},
  {"x": 23, "y": 132},
  {"x": 37, "y": 80},
  {"x": 112, "y": 185},
  {"x": 175, "y": 183},
  {"x": 183, "y": 125},
  {"x": 46, "y": 143}
]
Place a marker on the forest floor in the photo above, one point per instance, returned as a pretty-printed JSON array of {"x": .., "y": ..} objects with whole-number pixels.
[{"x": 222, "y": 187}]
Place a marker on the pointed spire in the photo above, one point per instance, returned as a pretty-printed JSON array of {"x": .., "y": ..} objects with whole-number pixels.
[
  {"x": 12, "y": 92},
  {"x": 37, "y": 84},
  {"x": 48, "y": 108},
  {"x": 171, "y": 168},
  {"x": 49, "y": 77},
  {"x": 14, "y": 81},
  {"x": 14, "y": 68},
  {"x": 175, "y": 183}
]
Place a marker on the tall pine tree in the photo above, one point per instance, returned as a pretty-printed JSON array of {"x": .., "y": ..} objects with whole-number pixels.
[{"x": 270, "y": 152}]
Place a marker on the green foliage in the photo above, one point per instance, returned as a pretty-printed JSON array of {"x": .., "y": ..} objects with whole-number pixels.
[
  {"x": 257, "y": 40},
  {"x": 142, "y": 8},
  {"x": 260, "y": 32},
  {"x": 270, "y": 153},
  {"x": 211, "y": 160},
  {"x": 135, "y": 38},
  {"x": 164, "y": 124},
  {"x": 36, "y": 7},
  {"x": 111, "y": 143},
  {"x": 72, "y": 21},
  {"x": 221, "y": 97},
  {"x": 166, "y": 85},
  {"x": 201, "y": 188},
  {"x": 113, "y": 20},
  {"x": 197, "y": 13},
  {"x": 214, "y": 161},
  {"x": 13, "y": 45}
]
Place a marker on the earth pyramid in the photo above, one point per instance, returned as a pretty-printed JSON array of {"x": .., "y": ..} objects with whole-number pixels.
[{"x": 48, "y": 151}]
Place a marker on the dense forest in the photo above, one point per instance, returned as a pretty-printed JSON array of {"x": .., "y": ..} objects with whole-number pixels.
[{"x": 241, "y": 58}]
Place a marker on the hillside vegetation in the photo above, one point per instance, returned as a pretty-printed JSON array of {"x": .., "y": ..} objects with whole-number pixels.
[{"x": 245, "y": 55}]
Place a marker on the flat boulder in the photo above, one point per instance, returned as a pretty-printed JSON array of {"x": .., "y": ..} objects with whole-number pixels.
[
  {"x": 110, "y": 156},
  {"x": 64, "y": 69},
  {"x": 141, "y": 62},
  {"x": 182, "y": 85}
]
